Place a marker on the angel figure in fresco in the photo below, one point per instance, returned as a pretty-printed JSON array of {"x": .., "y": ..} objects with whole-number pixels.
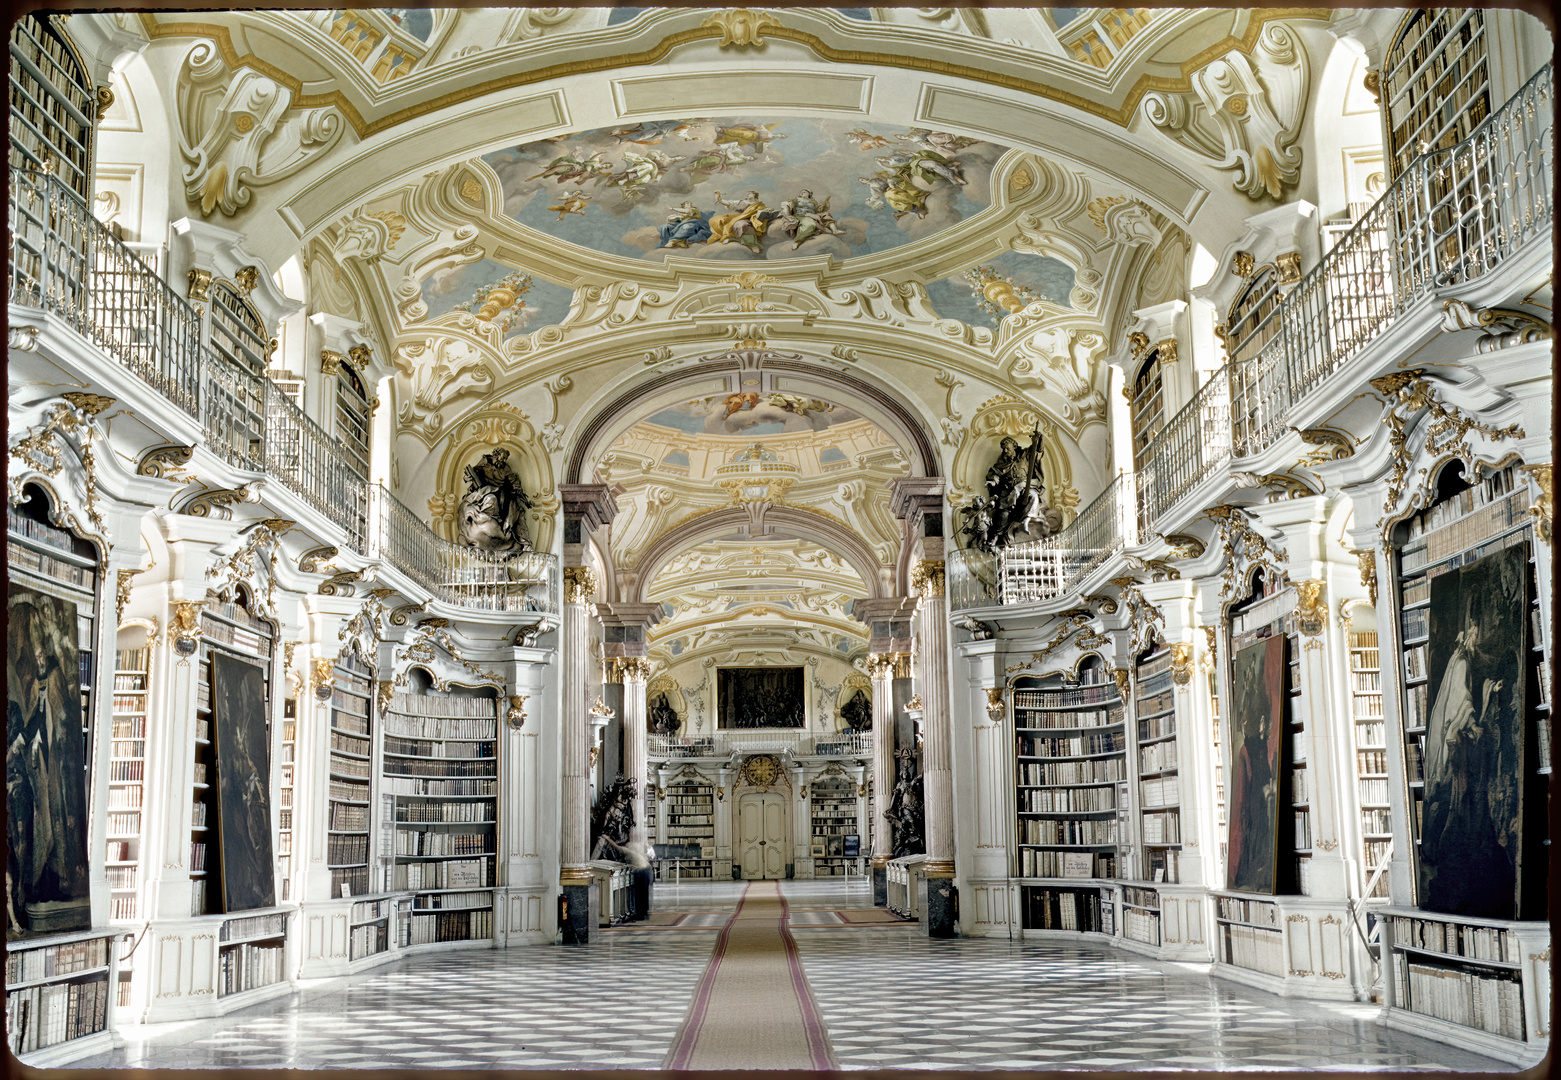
[
  {"x": 758, "y": 136},
  {"x": 720, "y": 160},
  {"x": 924, "y": 165},
  {"x": 744, "y": 224},
  {"x": 901, "y": 196},
  {"x": 736, "y": 403},
  {"x": 650, "y": 132},
  {"x": 940, "y": 142},
  {"x": 640, "y": 170},
  {"x": 573, "y": 202},
  {"x": 575, "y": 168},
  {"x": 685, "y": 225},
  {"x": 804, "y": 217},
  {"x": 801, "y": 406},
  {"x": 864, "y": 141}
]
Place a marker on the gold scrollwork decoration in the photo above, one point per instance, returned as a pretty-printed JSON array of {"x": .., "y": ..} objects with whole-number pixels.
[
  {"x": 928, "y": 577},
  {"x": 200, "y": 284},
  {"x": 166, "y": 463},
  {"x": 1332, "y": 445},
  {"x": 1122, "y": 677},
  {"x": 994, "y": 702},
  {"x": 1543, "y": 511},
  {"x": 1185, "y": 545},
  {"x": 1409, "y": 393},
  {"x": 1181, "y": 663},
  {"x": 218, "y": 501},
  {"x": 579, "y": 584},
  {"x": 741, "y": 27},
  {"x": 1311, "y": 609},
  {"x": 340, "y": 584},
  {"x": 515, "y": 715},
  {"x": 122, "y": 591},
  {"x": 309, "y": 562},
  {"x": 399, "y": 615}
]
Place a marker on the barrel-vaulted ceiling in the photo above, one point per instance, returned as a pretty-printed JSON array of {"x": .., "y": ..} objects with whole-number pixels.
[{"x": 588, "y": 229}]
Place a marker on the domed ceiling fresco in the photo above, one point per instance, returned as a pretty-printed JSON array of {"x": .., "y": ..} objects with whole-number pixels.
[
  {"x": 751, "y": 414},
  {"x": 746, "y": 188}
]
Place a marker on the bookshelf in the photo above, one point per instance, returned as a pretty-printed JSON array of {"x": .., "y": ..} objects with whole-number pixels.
[
  {"x": 1249, "y": 934},
  {"x": 1082, "y": 907},
  {"x": 1480, "y": 983},
  {"x": 230, "y": 628},
  {"x": 833, "y": 803},
  {"x": 1301, "y": 783},
  {"x": 690, "y": 813},
  {"x": 369, "y": 926},
  {"x": 1159, "y": 779},
  {"x": 251, "y": 953},
  {"x": 126, "y": 779},
  {"x": 440, "y": 775},
  {"x": 1217, "y": 873},
  {"x": 351, "y": 779},
  {"x": 284, "y": 800},
  {"x": 1141, "y": 915},
  {"x": 60, "y": 990},
  {"x": 1371, "y": 758},
  {"x": 1070, "y": 776},
  {"x": 51, "y": 105}
]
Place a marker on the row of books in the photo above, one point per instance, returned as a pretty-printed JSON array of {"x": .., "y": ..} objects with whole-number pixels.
[
  {"x": 126, "y": 702},
  {"x": 127, "y": 748},
  {"x": 451, "y": 901},
  {"x": 1163, "y": 791},
  {"x": 438, "y": 748},
  {"x": 1489, "y": 1001},
  {"x": 1156, "y": 664},
  {"x": 1079, "y": 831},
  {"x": 1163, "y": 702},
  {"x": 1374, "y": 792},
  {"x": 128, "y": 798},
  {"x": 1141, "y": 898},
  {"x": 349, "y": 724},
  {"x": 1373, "y": 732},
  {"x": 253, "y": 926},
  {"x": 1300, "y": 791},
  {"x": 676, "y": 819},
  {"x": 45, "y": 962},
  {"x": 198, "y": 896},
  {"x": 344, "y": 704},
  {"x": 1060, "y": 699},
  {"x": 122, "y": 906},
  {"x": 1372, "y": 762},
  {"x": 438, "y": 767},
  {"x": 368, "y": 940},
  {"x": 197, "y": 814},
  {"x": 1157, "y": 727},
  {"x": 349, "y": 743},
  {"x": 1157, "y": 757},
  {"x": 1065, "y": 864},
  {"x": 128, "y": 727},
  {"x": 1063, "y": 909},
  {"x": 41, "y": 1016},
  {"x": 1141, "y": 926},
  {"x": 1071, "y": 772},
  {"x": 465, "y": 874},
  {"x": 340, "y": 849},
  {"x": 834, "y": 806},
  {"x": 1416, "y": 706},
  {"x": 1076, "y": 800},
  {"x": 421, "y": 707},
  {"x": 1303, "y": 830},
  {"x": 419, "y": 842},
  {"x": 448, "y": 926},
  {"x": 1238, "y": 909},
  {"x": 1164, "y": 827},
  {"x": 122, "y": 877},
  {"x": 1102, "y": 743},
  {"x": 1253, "y": 948},
  {"x": 1458, "y": 939},
  {"x": 124, "y": 824},
  {"x": 1375, "y": 822},
  {"x": 38, "y": 531},
  {"x": 132, "y": 660},
  {"x": 829, "y": 828},
  {"x": 1163, "y": 864},
  {"x": 237, "y": 638},
  {"x": 345, "y": 817},
  {"x": 248, "y": 967},
  {"x": 364, "y": 910},
  {"x": 463, "y": 813},
  {"x": 22, "y": 558},
  {"x": 349, "y": 880},
  {"x": 401, "y": 785},
  {"x": 349, "y": 766},
  {"x": 1036, "y": 720},
  {"x": 197, "y": 858}
]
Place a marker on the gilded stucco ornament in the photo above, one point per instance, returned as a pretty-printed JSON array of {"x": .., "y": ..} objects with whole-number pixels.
[
  {"x": 210, "y": 501},
  {"x": 914, "y": 704},
  {"x": 166, "y": 463},
  {"x": 1502, "y": 327},
  {"x": 340, "y": 584},
  {"x": 515, "y": 715},
  {"x": 1137, "y": 343},
  {"x": 1366, "y": 560},
  {"x": 741, "y": 27},
  {"x": 928, "y": 578},
  {"x": 1120, "y": 676},
  {"x": 330, "y": 363},
  {"x": 1184, "y": 545},
  {"x": 1242, "y": 264},
  {"x": 122, "y": 588},
  {"x": 1244, "y": 547},
  {"x": 1447, "y": 429},
  {"x": 1181, "y": 663},
  {"x": 1311, "y": 609},
  {"x": 760, "y": 771},
  {"x": 1288, "y": 263},
  {"x": 995, "y": 708},
  {"x": 200, "y": 284},
  {"x": 1543, "y": 511},
  {"x": 1278, "y": 485},
  {"x": 579, "y": 584},
  {"x": 1332, "y": 445},
  {"x": 185, "y": 629}
]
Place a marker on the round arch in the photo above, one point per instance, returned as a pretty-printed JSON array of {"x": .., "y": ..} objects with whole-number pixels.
[
  {"x": 607, "y": 421},
  {"x": 831, "y": 534}
]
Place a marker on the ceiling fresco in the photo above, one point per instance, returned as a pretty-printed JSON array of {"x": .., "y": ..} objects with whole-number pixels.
[
  {"x": 746, "y": 188},
  {"x": 768, "y": 413},
  {"x": 514, "y": 302},
  {"x": 983, "y": 294}
]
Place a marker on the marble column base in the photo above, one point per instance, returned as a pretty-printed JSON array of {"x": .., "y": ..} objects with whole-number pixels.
[
  {"x": 880, "y": 886},
  {"x": 939, "y": 907},
  {"x": 584, "y": 911}
]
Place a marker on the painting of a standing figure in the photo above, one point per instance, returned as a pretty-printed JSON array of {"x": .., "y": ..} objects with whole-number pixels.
[
  {"x": 46, "y": 888},
  {"x": 1257, "y": 724},
  {"x": 1471, "y": 836},
  {"x": 238, "y": 716}
]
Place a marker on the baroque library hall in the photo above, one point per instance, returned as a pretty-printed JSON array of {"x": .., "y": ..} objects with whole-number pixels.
[{"x": 804, "y": 538}]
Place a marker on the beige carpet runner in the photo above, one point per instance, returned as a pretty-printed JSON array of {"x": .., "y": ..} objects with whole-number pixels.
[{"x": 752, "y": 1008}]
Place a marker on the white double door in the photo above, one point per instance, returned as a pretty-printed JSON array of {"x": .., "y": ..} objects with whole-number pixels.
[{"x": 761, "y": 835}]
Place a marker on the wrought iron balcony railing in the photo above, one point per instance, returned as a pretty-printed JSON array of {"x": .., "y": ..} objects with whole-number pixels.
[
  {"x": 1187, "y": 451},
  {"x": 64, "y": 261},
  {"x": 724, "y": 743}
]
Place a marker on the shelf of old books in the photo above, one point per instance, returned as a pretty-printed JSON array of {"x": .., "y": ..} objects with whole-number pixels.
[
  {"x": 1083, "y": 907},
  {"x": 441, "y": 774},
  {"x": 369, "y": 925},
  {"x": 1371, "y": 761},
  {"x": 127, "y": 776},
  {"x": 1141, "y": 915},
  {"x": 60, "y": 996},
  {"x": 251, "y": 953},
  {"x": 1482, "y": 983},
  {"x": 834, "y": 803},
  {"x": 286, "y": 772},
  {"x": 1070, "y": 776},
  {"x": 690, "y": 810},
  {"x": 351, "y": 779},
  {"x": 232, "y": 736},
  {"x": 1159, "y": 777},
  {"x": 1249, "y": 933}
]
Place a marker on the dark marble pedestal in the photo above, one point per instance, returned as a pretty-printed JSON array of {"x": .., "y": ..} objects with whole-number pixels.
[
  {"x": 642, "y": 880},
  {"x": 580, "y": 911},
  {"x": 939, "y": 907},
  {"x": 880, "y": 886}
]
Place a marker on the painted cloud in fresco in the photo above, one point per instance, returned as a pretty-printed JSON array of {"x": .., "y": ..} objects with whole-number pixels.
[
  {"x": 743, "y": 188},
  {"x": 983, "y": 294},
  {"x": 514, "y": 302},
  {"x": 768, "y": 413}
]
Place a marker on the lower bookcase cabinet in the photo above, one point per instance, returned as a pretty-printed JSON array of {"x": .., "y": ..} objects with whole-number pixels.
[
  {"x": 213, "y": 964},
  {"x": 1479, "y": 983},
  {"x": 1168, "y": 922},
  {"x": 1294, "y": 946},
  {"x": 346, "y": 935},
  {"x": 60, "y": 995}
]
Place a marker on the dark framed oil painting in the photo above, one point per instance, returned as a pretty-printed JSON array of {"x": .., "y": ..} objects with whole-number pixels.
[
  {"x": 47, "y": 890},
  {"x": 1257, "y": 725},
  {"x": 1471, "y": 832},
  {"x": 238, "y": 714},
  {"x": 767, "y": 697}
]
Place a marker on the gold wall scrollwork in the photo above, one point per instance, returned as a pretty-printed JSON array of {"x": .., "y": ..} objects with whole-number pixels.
[
  {"x": 1543, "y": 511},
  {"x": 928, "y": 578},
  {"x": 1121, "y": 676},
  {"x": 209, "y": 501},
  {"x": 166, "y": 463},
  {"x": 741, "y": 27},
  {"x": 515, "y": 715},
  {"x": 1332, "y": 445},
  {"x": 994, "y": 702},
  {"x": 1181, "y": 662},
  {"x": 122, "y": 591},
  {"x": 1311, "y": 609},
  {"x": 633, "y": 669},
  {"x": 579, "y": 584}
]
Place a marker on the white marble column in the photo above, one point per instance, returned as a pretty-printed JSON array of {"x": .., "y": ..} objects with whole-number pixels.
[
  {"x": 881, "y": 667},
  {"x": 932, "y": 683},
  {"x": 634, "y": 672},
  {"x": 575, "y": 727}
]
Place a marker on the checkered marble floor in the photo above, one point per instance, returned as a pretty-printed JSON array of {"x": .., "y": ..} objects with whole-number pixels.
[
  {"x": 891, "y": 998},
  {"x": 897, "y": 1001}
]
